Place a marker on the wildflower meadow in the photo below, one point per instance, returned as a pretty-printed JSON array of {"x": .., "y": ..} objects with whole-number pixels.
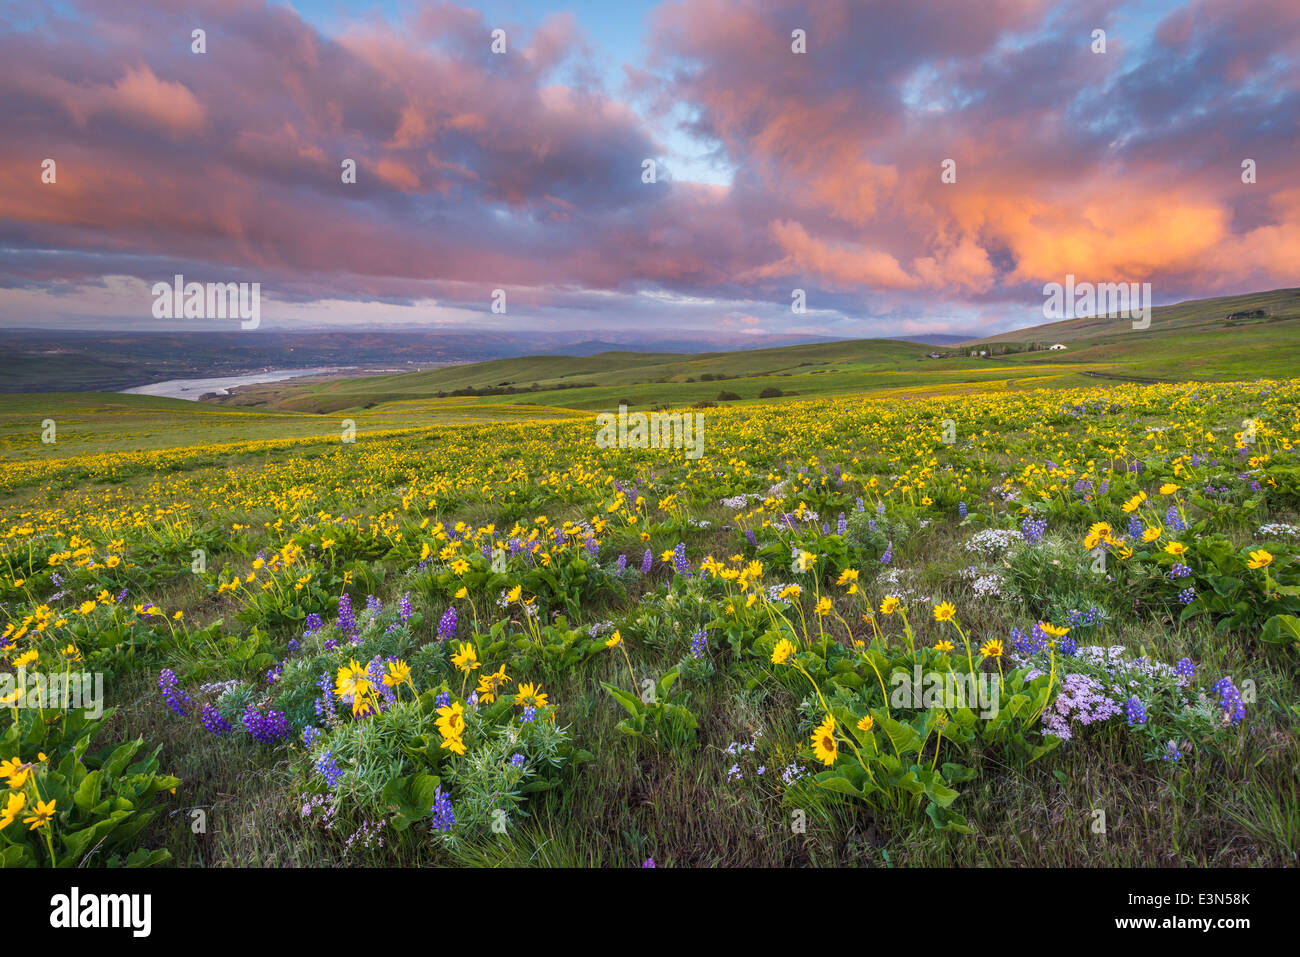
[{"x": 1051, "y": 627}]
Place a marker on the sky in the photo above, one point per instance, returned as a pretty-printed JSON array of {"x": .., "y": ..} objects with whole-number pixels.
[{"x": 777, "y": 169}]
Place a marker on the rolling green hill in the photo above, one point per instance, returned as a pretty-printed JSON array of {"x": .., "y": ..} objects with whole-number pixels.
[
  {"x": 595, "y": 381},
  {"x": 1193, "y": 317}
]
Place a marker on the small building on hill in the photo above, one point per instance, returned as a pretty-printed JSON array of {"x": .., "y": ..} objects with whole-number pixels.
[{"x": 1057, "y": 348}]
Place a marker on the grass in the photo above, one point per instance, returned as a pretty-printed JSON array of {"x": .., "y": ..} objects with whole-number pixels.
[{"x": 166, "y": 470}]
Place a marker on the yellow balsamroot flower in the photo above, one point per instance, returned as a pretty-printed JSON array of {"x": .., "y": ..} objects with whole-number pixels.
[
  {"x": 991, "y": 648},
  {"x": 614, "y": 640},
  {"x": 10, "y": 769},
  {"x": 782, "y": 652},
  {"x": 352, "y": 682},
  {"x": 463, "y": 592},
  {"x": 888, "y": 605},
  {"x": 1135, "y": 502},
  {"x": 530, "y": 694},
  {"x": 846, "y": 576},
  {"x": 41, "y": 814},
  {"x": 86, "y": 607},
  {"x": 12, "y": 698},
  {"x": 1053, "y": 630},
  {"x": 466, "y": 659},
  {"x": 1169, "y": 488},
  {"x": 944, "y": 646},
  {"x": 823, "y": 606},
  {"x": 1151, "y": 534},
  {"x": 453, "y": 744},
  {"x": 27, "y": 658},
  {"x": 823, "y": 741},
  {"x": 460, "y": 566},
  {"x": 514, "y": 593},
  {"x": 489, "y": 684},
  {"x": 451, "y": 720},
  {"x": 790, "y": 591},
  {"x": 399, "y": 673},
  {"x": 804, "y": 561},
  {"x": 944, "y": 611},
  {"x": 13, "y": 807},
  {"x": 867, "y": 723},
  {"x": 1175, "y": 548},
  {"x": 1259, "y": 559}
]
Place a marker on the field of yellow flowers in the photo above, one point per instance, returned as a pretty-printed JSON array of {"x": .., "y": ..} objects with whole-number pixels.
[{"x": 1042, "y": 628}]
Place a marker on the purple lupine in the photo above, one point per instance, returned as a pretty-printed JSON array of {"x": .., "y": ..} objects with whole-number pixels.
[
  {"x": 375, "y": 674},
  {"x": 347, "y": 621},
  {"x": 1230, "y": 700},
  {"x": 1185, "y": 667},
  {"x": 751, "y": 537},
  {"x": 266, "y": 728},
  {"x": 1033, "y": 529},
  {"x": 888, "y": 557},
  {"x": 447, "y": 625},
  {"x": 647, "y": 561},
  {"x": 1174, "y": 520},
  {"x": 404, "y": 609},
  {"x": 961, "y": 509},
  {"x": 213, "y": 722},
  {"x": 177, "y": 699},
  {"x": 698, "y": 643},
  {"x": 1135, "y": 712},
  {"x": 325, "y": 700},
  {"x": 329, "y": 769},
  {"x": 679, "y": 559},
  {"x": 622, "y": 563},
  {"x": 443, "y": 815}
]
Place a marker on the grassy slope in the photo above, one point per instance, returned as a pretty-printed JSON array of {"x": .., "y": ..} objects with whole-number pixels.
[
  {"x": 1194, "y": 316},
  {"x": 1187, "y": 341}
]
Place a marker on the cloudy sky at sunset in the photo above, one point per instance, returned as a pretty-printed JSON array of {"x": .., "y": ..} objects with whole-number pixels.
[{"x": 523, "y": 170}]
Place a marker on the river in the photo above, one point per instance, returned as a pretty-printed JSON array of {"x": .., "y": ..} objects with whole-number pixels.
[{"x": 194, "y": 388}]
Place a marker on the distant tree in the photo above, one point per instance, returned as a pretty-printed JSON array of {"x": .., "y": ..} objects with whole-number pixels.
[
  {"x": 771, "y": 392},
  {"x": 725, "y": 396}
]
